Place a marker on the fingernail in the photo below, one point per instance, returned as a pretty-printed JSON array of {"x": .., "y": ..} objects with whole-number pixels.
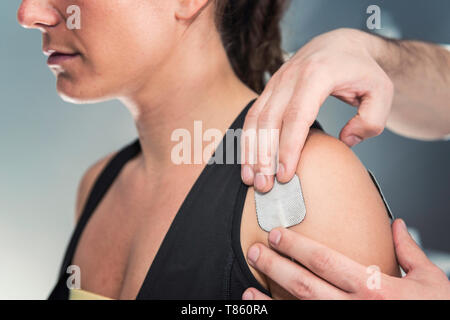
[
  {"x": 280, "y": 171},
  {"x": 247, "y": 173},
  {"x": 260, "y": 181},
  {"x": 274, "y": 237},
  {"x": 353, "y": 141},
  {"x": 248, "y": 295},
  {"x": 253, "y": 254},
  {"x": 403, "y": 224}
]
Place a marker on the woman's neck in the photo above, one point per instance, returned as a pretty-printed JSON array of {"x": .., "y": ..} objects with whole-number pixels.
[{"x": 201, "y": 87}]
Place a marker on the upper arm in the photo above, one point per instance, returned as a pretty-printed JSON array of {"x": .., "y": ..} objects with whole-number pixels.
[
  {"x": 344, "y": 209},
  {"x": 86, "y": 183}
]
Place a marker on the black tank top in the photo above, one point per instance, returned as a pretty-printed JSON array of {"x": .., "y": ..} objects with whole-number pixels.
[{"x": 200, "y": 257}]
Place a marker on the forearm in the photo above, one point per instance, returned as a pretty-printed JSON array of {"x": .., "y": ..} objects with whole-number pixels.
[{"x": 421, "y": 76}]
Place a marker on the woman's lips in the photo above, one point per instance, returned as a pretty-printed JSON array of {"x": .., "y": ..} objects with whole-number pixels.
[{"x": 57, "y": 58}]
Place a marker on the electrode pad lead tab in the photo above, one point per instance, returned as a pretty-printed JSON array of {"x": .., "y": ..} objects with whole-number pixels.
[{"x": 283, "y": 206}]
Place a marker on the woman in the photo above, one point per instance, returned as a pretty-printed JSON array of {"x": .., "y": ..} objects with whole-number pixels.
[{"x": 149, "y": 228}]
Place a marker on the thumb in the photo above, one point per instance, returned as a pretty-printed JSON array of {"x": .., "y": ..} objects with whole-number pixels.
[
  {"x": 370, "y": 120},
  {"x": 409, "y": 254}
]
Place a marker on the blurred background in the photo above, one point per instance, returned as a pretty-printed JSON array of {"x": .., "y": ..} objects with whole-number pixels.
[{"x": 47, "y": 144}]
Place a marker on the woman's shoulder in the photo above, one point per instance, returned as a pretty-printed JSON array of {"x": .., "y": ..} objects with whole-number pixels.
[
  {"x": 90, "y": 176},
  {"x": 87, "y": 181},
  {"x": 344, "y": 210},
  {"x": 321, "y": 144}
]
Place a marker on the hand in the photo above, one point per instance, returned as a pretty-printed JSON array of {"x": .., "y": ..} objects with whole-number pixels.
[
  {"x": 328, "y": 274},
  {"x": 339, "y": 63}
]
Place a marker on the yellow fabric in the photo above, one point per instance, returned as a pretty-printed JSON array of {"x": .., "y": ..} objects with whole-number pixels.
[{"x": 79, "y": 294}]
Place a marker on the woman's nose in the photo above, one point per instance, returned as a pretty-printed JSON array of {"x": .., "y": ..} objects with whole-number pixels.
[{"x": 37, "y": 14}]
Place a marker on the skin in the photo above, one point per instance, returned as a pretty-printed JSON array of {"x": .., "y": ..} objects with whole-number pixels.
[
  {"x": 346, "y": 278},
  {"x": 157, "y": 73},
  {"x": 344, "y": 212},
  {"x": 411, "y": 98},
  {"x": 381, "y": 78},
  {"x": 158, "y": 77}
]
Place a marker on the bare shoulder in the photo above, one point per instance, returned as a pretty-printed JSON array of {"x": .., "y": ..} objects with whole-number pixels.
[
  {"x": 87, "y": 181},
  {"x": 345, "y": 211}
]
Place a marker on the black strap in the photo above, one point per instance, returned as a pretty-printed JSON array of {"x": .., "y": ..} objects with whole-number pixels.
[
  {"x": 97, "y": 192},
  {"x": 389, "y": 211}
]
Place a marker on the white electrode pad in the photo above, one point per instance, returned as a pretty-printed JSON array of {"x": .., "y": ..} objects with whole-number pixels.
[{"x": 283, "y": 206}]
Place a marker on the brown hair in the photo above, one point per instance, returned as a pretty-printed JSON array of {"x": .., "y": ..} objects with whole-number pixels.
[{"x": 251, "y": 35}]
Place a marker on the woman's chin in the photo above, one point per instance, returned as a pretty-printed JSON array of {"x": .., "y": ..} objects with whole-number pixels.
[{"x": 77, "y": 94}]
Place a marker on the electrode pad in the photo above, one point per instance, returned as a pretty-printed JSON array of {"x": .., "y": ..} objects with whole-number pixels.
[{"x": 283, "y": 206}]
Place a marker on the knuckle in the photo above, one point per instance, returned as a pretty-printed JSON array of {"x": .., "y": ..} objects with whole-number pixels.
[
  {"x": 321, "y": 261},
  {"x": 252, "y": 114},
  {"x": 373, "y": 127},
  {"x": 288, "y": 75},
  {"x": 313, "y": 65},
  {"x": 308, "y": 69},
  {"x": 267, "y": 117},
  {"x": 294, "y": 114},
  {"x": 376, "y": 128},
  {"x": 301, "y": 287},
  {"x": 265, "y": 264}
]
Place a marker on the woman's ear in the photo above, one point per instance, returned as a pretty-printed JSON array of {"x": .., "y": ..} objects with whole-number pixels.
[{"x": 188, "y": 9}]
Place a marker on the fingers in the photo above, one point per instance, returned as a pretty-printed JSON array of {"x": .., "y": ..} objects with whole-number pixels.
[
  {"x": 269, "y": 124},
  {"x": 254, "y": 294},
  {"x": 280, "y": 121},
  {"x": 249, "y": 137},
  {"x": 372, "y": 115},
  {"x": 301, "y": 112},
  {"x": 294, "y": 278},
  {"x": 409, "y": 254},
  {"x": 326, "y": 263}
]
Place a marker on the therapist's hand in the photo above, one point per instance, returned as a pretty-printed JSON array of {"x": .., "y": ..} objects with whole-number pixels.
[
  {"x": 328, "y": 274},
  {"x": 338, "y": 63}
]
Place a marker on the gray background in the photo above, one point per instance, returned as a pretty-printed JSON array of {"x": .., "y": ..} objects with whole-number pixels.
[{"x": 47, "y": 144}]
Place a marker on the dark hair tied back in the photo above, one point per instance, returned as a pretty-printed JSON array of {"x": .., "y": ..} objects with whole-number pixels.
[{"x": 251, "y": 35}]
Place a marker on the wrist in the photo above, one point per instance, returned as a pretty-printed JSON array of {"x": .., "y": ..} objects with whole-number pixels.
[
  {"x": 386, "y": 52},
  {"x": 377, "y": 47}
]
